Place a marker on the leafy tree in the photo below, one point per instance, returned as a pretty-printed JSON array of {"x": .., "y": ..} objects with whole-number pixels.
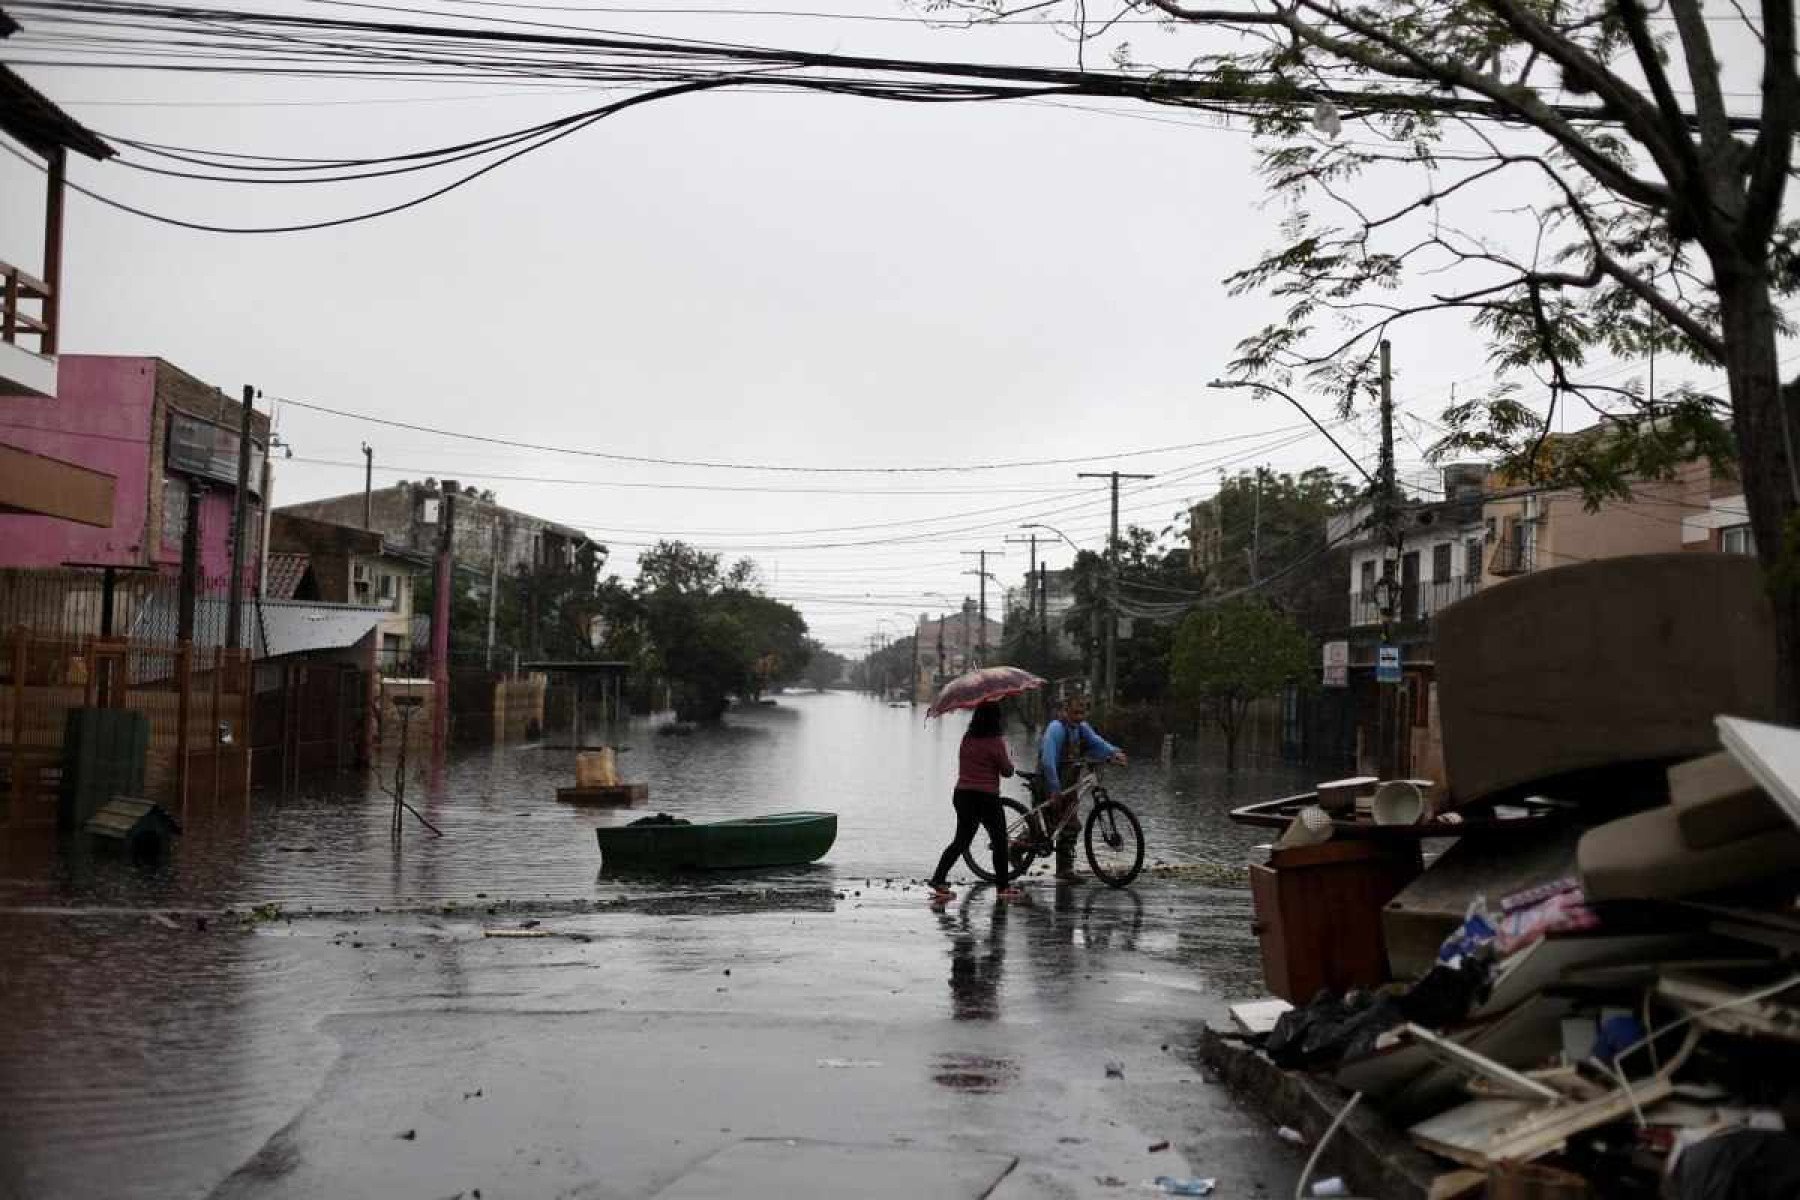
[
  {"x": 1155, "y": 585},
  {"x": 1227, "y": 655},
  {"x": 1271, "y": 531},
  {"x": 708, "y": 632},
  {"x": 1567, "y": 177},
  {"x": 824, "y": 668}
]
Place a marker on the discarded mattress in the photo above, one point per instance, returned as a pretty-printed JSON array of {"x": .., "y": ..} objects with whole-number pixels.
[
  {"x": 1598, "y": 665},
  {"x": 1644, "y": 857}
]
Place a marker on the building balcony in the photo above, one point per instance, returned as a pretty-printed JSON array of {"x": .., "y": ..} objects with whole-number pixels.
[
  {"x": 1513, "y": 555},
  {"x": 27, "y": 334},
  {"x": 1416, "y": 602}
]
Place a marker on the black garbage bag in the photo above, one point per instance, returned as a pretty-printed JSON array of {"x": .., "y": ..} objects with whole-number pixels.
[
  {"x": 1331, "y": 1029},
  {"x": 1749, "y": 1164},
  {"x": 1445, "y": 995}
]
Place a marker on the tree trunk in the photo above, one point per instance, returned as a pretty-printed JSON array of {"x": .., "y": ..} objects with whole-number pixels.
[{"x": 1766, "y": 419}]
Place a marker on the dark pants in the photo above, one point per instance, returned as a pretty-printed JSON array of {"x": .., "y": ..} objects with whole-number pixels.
[{"x": 975, "y": 810}]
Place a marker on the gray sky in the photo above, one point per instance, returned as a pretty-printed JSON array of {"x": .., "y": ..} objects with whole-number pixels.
[{"x": 792, "y": 279}]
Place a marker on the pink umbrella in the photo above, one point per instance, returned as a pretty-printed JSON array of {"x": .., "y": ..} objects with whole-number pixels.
[{"x": 980, "y": 686}]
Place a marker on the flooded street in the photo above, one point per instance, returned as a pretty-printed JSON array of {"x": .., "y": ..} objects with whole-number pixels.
[{"x": 351, "y": 1027}]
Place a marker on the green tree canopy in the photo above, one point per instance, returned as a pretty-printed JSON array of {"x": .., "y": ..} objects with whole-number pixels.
[
  {"x": 1227, "y": 655},
  {"x": 707, "y": 630}
]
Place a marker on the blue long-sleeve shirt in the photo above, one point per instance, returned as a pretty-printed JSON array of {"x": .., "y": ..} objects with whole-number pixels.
[{"x": 1089, "y": 745}]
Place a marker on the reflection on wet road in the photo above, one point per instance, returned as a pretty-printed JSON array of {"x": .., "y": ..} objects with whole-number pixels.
[{"x": 623, "y": 1028}]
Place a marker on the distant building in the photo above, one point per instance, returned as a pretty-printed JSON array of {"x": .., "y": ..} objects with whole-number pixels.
[
  {"x": 1529, "y": 529},
  {"x": 949, "y": 645},
  {"x": 1440, "y": 557},
  {"x": 344, "y": 564},
  {"x": 1206, "y": 537},
  {"x": 407, "y": 517}
]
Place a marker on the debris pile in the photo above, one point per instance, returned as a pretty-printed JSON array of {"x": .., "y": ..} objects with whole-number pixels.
[{"x": 1625, "y": 1024}]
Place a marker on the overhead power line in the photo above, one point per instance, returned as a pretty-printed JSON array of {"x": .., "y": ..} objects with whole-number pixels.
[{"x": 717, "y": 465}]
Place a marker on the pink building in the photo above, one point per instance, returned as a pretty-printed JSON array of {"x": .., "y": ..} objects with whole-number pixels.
[{"x": 157, "y": 432}]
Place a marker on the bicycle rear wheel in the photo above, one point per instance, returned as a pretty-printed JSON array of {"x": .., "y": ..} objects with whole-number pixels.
[
  {"x": 1115, "y": 843},
  {"x": 1018, "y": 834}
]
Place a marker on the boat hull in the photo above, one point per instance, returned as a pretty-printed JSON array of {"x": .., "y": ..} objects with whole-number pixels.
[{"x": 777, "y": 840}]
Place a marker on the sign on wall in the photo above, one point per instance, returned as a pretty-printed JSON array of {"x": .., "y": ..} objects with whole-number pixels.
[
  {"x": 1337, "y": 664},
  {"x": 1387, "y": 664}
]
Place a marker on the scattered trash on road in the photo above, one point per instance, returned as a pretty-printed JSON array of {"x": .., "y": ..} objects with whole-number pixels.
[
  {"x": 846, "y": 1064},
  {"x": 1331, "y": 1186},
  {"x": 1185, "y": 1187},
  {"x": 1288, "y": 1133},
  {"x": 1115, "y": 1070},
  {"x": 1159, "y": 1147}
]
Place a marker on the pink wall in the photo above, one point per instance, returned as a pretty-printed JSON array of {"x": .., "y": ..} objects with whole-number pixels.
[{"x": 102, "y": 420}]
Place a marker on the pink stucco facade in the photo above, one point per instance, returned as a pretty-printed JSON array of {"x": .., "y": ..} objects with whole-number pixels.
[{"x": 111, "y": 415}]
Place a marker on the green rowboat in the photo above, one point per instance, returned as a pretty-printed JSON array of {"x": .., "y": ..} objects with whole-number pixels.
[{"x": 777, "y": 840}]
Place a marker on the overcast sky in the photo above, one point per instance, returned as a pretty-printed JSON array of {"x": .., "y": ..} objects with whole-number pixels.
[{"x": 806, "y": 280}]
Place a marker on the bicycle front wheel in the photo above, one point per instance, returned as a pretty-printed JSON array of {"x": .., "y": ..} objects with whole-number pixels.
[
  {"x": 1115, "y": 843},
  {"x": 1019, "y": 842}
]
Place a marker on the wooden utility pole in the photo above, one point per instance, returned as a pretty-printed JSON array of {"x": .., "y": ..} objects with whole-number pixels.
[
  {"x": 494, "y": 591},
  {"x": 1031, "y": 588},
  {"x": 1386, "y": 511},
  {"x": 1111, "y": 685},
  {"x": 444, "y": 581},
  {"x": 981, "y": 572},
  {"x": 368, "y": 452},
  {"x": 240, "y": 517},
  {"x": 190, "y": 564}
]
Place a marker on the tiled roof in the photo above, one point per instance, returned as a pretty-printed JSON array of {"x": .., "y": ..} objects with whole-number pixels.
[{"x": 284, "y": 574}]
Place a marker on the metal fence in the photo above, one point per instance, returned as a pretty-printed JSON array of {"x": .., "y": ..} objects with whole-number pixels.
[{"x": 77, "y": 603}]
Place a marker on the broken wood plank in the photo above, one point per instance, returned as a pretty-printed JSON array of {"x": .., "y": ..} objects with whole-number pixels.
[{"x": 1498, "y": 1074}]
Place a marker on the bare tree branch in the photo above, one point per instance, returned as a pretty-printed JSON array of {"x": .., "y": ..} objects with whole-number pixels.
[{"x": 1773, "y": 154}]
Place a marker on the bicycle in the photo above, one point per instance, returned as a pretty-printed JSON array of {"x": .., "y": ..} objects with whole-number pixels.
[{"x": 1112, "y": 836}]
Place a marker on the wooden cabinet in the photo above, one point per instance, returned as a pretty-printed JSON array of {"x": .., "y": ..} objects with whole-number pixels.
[{"x": 1318, "y": 913}]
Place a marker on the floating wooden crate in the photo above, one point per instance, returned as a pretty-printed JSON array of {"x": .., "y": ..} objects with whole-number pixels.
[{"x": 618, "y": 795}]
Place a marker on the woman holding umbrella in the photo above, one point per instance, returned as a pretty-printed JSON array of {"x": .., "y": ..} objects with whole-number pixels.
[{"x": 982, "y": 762}]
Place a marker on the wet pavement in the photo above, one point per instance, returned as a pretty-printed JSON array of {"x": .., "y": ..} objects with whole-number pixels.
[{"x": 291, "y": 1008}]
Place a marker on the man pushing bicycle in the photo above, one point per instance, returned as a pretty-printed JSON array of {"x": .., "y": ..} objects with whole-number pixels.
[{"x": 1068, "y": 744}]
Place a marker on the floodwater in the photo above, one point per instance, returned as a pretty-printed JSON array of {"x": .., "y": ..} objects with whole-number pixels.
[
  {"x": 886, "y": 773},
  {"x": 176, "y": 1030}
]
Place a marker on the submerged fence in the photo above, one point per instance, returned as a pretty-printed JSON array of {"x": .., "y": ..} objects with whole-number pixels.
[{"x": 196, "y": 701}]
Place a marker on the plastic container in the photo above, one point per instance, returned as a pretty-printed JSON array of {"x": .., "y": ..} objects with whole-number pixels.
[
  {"x": 1398, "y": 802},
  {"x": 597, "y": 768}
]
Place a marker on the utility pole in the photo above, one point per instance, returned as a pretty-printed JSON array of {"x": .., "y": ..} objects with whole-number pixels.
[
  {"x": 1256, "y": 528},
  {"x": 1386, "y": 510},
  {"x": 445, "y": 579},
  {"x": 240, "y": 517},
  {"x": 982, "y": 572},
  {"x": 943, "y": 672},
  {"x": 1030, "y": 586},
  {"x": 493, "y": 587},
  {"x": 912, "y": 687},
  {"x": 190, "y": 564},
  {"x": 368, "y": 486},
  {"x": 1112, "y": 581}
]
